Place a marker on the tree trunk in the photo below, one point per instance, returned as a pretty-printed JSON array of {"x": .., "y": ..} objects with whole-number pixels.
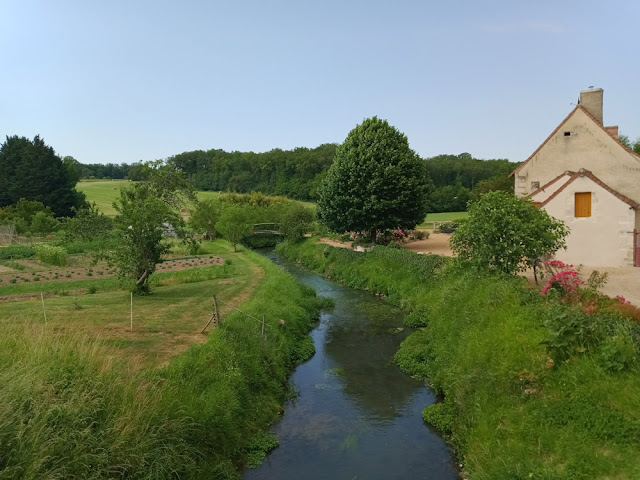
[
  {"x": 374, "y": 236},
  {"x": 142, "y": 279}
]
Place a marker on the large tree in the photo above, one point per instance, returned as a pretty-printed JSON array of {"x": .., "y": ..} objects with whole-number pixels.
[
  {"x": 30, "y": 169},
  {"x": 376, "y": 182}
]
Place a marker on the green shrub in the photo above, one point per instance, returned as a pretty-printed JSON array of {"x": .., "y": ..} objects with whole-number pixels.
[
  {"x": 51, "y": 255},
  {"x": 15, "y": 252}
]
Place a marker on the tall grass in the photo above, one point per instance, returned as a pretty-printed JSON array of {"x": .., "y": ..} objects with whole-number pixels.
[
  {"x": 508, "y": 410},
  {"x": 71, "y": 409},
  {"x": 67, "y": 411}
]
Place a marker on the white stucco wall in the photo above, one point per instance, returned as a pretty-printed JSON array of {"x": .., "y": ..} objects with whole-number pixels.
[
  {"x": 587, "y": 147},
  {"x": 542, "y": 195},
  {"x": 603, "y": 239}
]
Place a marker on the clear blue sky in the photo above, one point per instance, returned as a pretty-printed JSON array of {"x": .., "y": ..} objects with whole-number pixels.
[{"x": 122, "y": 81}]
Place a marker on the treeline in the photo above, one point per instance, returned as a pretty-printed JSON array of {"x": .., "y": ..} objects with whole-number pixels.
[
  {"x": 292, "y": 173},
  {"x": 460, "y": 178},
  {"x": 107, "y": 171},
  {"x": 297, "y": 173}
]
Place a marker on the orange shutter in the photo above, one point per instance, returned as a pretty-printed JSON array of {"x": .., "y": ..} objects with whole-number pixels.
[{"x": 583, "y": 204}]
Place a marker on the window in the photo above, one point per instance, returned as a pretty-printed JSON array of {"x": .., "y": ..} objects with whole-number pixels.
[
  {"x": 567, "y": 134},
  {"x": 583, "y": 204},
  {"x": 535, "y": 186}
]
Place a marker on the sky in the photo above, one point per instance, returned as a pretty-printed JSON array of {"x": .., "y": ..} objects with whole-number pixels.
[{"x": 123, "y": 81}]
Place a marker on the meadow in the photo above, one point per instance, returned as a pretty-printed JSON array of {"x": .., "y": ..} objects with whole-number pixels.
[{"x": 92, "y": 391}]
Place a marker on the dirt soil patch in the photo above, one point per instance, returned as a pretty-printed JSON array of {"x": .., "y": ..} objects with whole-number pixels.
[{"x": 437, "y": 244}]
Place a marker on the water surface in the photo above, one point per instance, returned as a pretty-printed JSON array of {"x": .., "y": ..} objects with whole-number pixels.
[{"x": 357, "y": 416}]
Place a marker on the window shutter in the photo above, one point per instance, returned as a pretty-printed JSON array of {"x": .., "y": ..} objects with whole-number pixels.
[{"x": 583, "y": 204}]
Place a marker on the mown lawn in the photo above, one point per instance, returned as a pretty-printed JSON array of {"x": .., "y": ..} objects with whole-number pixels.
[
  {"x": 442, "y": 217},
  {"x": 103, "y": 192}
]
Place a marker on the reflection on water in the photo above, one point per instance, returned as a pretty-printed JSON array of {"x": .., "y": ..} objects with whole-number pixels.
[{"x": 357, "y": 415}]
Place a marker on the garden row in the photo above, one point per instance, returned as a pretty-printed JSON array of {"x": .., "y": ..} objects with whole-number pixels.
[{"x": 534, "y": 386}]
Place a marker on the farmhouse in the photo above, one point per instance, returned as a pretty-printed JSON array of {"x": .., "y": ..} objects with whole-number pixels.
[{"x": 583, "y": 175}]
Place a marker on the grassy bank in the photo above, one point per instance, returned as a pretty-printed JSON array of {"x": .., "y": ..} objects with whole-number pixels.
[
  {"x": 509, "y": 411},
  {"x": 74, "y": 405}
]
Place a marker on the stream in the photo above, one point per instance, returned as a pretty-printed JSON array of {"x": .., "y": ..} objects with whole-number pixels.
[{"x": 357, "y": 416}]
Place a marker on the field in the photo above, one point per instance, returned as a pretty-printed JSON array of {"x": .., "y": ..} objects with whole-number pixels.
[
  {"x": 98, "y": 383},
  {"x": 86, "y": 299},
  {"x": 103, "y": 192}
]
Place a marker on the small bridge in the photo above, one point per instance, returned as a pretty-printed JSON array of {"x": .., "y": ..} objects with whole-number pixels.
[{"x": 266, "y": 229}]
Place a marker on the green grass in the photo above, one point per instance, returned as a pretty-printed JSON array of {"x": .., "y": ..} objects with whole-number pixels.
[
  {"x": 442, "y": 217},
  {"x": 80, "y": 396},
  {"x": 507, "y": 414},
  {"x": 103, "y": 192}
]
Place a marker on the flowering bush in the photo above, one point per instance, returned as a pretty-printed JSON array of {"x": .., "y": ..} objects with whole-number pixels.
[
  {"x": 564, "y": 279},
  {"x": 623, "y": 300}
]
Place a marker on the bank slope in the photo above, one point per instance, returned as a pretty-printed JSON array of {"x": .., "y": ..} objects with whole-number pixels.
[{"x": 509, "y": 412}]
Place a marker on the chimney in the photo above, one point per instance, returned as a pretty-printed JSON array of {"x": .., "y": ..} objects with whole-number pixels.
[
  {"x": 613, "y": 131},
  {"x": 591, "y": 100}
]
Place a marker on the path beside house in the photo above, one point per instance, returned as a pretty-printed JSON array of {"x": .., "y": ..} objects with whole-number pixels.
[
  {"x": 437, "y": 243},
  {"x": 624, "y": 281}
]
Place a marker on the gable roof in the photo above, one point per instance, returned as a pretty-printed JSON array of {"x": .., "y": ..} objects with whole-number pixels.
[
  {"x": 578, "y": 107},
  {"x": 584, "y": 173}
]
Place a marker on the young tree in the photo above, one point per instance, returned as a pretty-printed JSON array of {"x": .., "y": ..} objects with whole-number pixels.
[
  {"x": 204, "y": 216},
  {"x": 376, "y": 182},
  {"x": 146, "y": 211},
  {"x": 235, "y": 223},
  {"x": 507, "y": 233},
  {"x": 296, "y": 221}
]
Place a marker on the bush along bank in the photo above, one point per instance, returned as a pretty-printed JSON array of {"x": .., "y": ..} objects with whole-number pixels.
[
  {"x": 67, "y": 410},
  {"x": 534, "y": 386}
]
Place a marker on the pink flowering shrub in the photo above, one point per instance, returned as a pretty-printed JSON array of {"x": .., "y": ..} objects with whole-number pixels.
[
  {"x": 564, "y": 279},
  {"x": 623, "y": 300}
]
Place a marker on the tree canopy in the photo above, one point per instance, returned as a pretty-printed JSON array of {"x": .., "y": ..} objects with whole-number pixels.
[
  {"x": 507, "y": 233},
  {"x": 376, "y": 182},
  {"x": 32, "y": 170},
  {"x": 147, "y": 211}
]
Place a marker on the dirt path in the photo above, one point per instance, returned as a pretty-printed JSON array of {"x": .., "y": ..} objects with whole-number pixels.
[{"x": 437, "y": 243}]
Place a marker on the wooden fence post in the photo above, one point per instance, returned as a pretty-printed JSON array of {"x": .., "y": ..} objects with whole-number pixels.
[
  {"x": 215, "y": 315},
  {"x": 216, "y": 311},
  {"x": 43, "y": 309}
]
